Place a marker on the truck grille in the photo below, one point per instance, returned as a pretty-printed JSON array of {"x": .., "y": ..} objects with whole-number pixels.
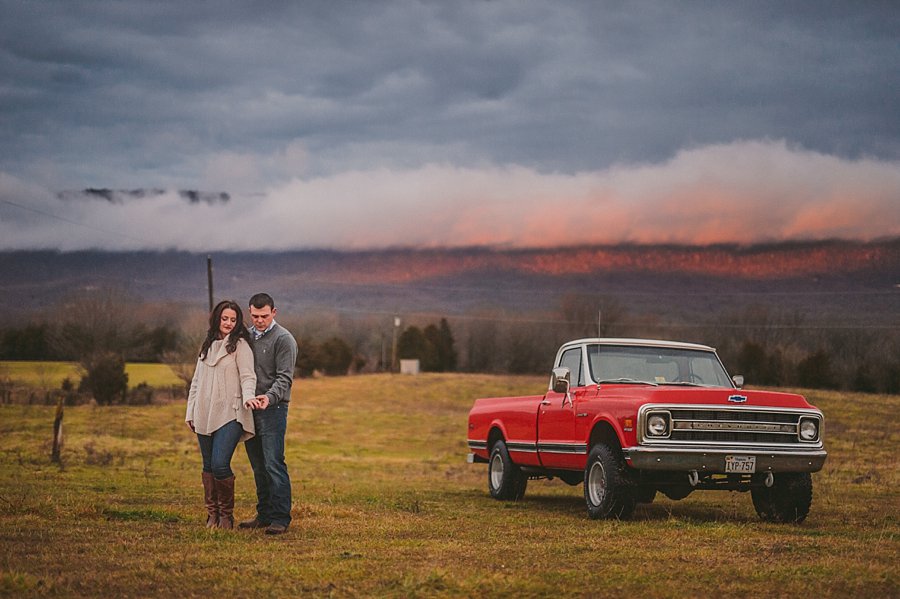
[
  {"x": 736, "y": 425},
  {"x": 729, "y": 426}
]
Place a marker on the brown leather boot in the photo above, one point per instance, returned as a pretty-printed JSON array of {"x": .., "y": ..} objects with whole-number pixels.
[
  {"x": 225, "y": 492},
  {"x": 211, "y": 500}
]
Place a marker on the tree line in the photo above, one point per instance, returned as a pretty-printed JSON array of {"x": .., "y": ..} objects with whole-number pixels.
[{"x": 769, "y": 347}]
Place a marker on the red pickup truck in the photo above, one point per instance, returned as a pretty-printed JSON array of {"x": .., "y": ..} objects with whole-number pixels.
[{"x": 633, "y": 417}]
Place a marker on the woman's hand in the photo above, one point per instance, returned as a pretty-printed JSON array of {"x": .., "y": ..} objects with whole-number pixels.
[{"x": 260, "y": 402}]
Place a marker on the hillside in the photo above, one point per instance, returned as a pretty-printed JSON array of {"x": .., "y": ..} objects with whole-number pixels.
[{"x": 856, "y": 281}]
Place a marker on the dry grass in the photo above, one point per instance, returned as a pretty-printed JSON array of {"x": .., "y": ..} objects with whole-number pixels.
[
  {"x": 50, "y": 375},
  {"x": 385, "y": 505}
]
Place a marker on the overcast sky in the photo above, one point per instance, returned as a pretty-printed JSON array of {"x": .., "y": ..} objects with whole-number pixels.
[{"x": 280, "y": 125}]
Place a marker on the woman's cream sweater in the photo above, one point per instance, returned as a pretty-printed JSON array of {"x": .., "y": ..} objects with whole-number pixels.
[{"x": 221, "y": 385}]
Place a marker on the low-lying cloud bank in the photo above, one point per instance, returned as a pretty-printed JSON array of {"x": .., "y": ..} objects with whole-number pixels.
[{"x": 741, "y": 192}]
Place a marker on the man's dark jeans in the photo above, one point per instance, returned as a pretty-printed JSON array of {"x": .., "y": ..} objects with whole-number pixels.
[
  {"x": 266, "y": 453},
  {"x": 217, "y": 449}
]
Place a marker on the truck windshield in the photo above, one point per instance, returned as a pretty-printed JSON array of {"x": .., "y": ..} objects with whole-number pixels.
[{"x": 657, "y": 365}]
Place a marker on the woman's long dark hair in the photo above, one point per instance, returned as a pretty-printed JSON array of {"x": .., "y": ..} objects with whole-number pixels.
[{"x": 238, "y": 332}]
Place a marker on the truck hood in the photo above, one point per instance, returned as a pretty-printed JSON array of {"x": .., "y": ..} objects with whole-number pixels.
[{"x": 642, "y": 394}]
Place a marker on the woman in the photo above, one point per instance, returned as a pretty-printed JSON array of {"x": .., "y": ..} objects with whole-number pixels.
[{"x": 219, "y": 406}]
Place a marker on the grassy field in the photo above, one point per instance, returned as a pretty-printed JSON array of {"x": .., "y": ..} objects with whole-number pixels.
[
  {"x": 50, "y": 375},
  {"x": 385, "y": 505}
]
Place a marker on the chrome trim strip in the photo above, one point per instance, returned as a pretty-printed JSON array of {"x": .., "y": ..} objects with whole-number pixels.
[
  {"x": 564, "y": 448},
  {"x": 521, "y": 447},
  {"x": 722, "y": 426},
  {"x": 525, "y": 447}
]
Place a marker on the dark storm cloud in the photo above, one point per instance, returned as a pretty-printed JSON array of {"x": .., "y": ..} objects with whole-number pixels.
[
  {"x": 263, "y": 97},
  {"x": 120, "y": 196}
]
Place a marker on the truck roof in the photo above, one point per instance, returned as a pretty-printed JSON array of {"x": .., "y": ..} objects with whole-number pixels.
[{"x": 638, "y": 342}]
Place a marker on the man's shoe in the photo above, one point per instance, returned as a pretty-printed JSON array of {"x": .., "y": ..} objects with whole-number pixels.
[
  {"x": 276, "y": 529},
  {"x": 255, "y": 523}
]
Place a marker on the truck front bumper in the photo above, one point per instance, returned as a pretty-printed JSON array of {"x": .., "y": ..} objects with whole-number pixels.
[{"x": 712, "y": 459}]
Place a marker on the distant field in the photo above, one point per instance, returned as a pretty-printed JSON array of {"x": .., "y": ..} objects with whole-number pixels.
[
  {"x": 50, "y": 375},
  {"x": 385, "y": 505}
]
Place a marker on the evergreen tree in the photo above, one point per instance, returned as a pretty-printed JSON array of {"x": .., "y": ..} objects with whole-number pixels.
[{"x": 106, "y": 378}]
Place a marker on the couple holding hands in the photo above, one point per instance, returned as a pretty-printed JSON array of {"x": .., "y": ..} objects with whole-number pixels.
[{"x": 240, "y": 392}]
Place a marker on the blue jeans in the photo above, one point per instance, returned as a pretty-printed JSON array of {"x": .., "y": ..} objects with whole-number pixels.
[
  {"x": 218, "y": 448},
  {"x": 266, "y": 453}
]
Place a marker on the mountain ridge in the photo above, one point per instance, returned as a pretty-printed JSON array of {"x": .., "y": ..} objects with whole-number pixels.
[{"x": 457, "y": 280}]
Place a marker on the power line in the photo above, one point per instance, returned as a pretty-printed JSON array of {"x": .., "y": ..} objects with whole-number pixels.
[{"x": 74, "y": 222}]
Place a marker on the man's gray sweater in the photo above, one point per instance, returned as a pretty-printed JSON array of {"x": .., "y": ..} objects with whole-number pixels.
[{"x": 274, "y": 355}]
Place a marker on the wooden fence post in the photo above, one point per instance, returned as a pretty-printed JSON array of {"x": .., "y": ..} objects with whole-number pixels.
[{"x": 57, "y": 432}]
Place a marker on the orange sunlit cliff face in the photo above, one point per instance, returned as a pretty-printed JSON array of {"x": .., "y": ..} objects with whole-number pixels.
[{"x": 761, "y": 262}]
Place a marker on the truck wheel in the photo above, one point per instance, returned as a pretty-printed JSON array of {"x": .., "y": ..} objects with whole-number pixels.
[
  {"x": 505, "y": 479},
  {"x": 607, "y": 491},
  {"x": 787, "y": 500}
]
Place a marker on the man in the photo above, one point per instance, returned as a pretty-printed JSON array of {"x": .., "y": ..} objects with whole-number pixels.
[{"x": 275, "y": 353}]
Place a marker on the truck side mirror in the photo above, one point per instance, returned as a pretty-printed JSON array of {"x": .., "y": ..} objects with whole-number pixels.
[
  {"x": 738, "y": 380},
  {"x": 559, "y": 379}
]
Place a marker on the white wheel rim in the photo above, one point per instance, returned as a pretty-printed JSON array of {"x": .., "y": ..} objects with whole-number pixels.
[
  {"x": 597, "y": 483},
  {"x": 496, "y": 471}
]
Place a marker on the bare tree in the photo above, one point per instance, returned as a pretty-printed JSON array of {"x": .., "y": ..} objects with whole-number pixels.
[
  {"x": 183, "y": 360},
  {"x": 588, "y": 315}
]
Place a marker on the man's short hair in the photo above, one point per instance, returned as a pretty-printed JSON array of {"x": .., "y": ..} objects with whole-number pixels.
[{"x": 261, "y": 300}]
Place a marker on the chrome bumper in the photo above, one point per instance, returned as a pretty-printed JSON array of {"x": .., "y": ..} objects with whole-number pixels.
[
  {"x": 471, "y": 458},
  {"x": 712, "y": 460}
]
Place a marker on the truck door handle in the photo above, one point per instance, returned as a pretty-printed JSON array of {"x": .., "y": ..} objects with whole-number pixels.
[{"x": 546, "y": 402}]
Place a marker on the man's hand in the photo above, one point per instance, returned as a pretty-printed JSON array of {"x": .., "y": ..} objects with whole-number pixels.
[
  {"x": 190, "y": 423},
  {"x": 262, "y": 402}
]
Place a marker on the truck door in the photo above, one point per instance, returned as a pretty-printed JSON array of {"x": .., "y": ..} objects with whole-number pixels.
[{"x": 557, "y": 445}]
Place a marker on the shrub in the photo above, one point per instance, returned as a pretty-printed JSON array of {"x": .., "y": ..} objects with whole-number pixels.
[
  {"x": 335, "y": 356},
  {"x": 141, "y": 395},
  {"x": 106, "y": 378},
  {"x": 307, "y": 358},
  {"x": 816, "y": 372}
]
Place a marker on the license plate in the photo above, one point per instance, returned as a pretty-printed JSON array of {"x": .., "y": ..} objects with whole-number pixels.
[{"x": 743, "y": 464}]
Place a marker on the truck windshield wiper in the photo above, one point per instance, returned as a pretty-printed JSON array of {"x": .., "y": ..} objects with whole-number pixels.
[
  {"x": 683, "y": 383},
  {"x": 628, "y": 381}
]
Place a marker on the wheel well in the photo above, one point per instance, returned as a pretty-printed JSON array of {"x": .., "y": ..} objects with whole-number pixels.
[
  {"x": 494, "y": 436},
  {"x": 604, "y": 433}
]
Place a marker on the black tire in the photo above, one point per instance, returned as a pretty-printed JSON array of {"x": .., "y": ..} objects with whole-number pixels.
[
  {"x": 787, "y": 500},
  {"x": 505, "y": 480},
  {"x": 607, "y": 491}
]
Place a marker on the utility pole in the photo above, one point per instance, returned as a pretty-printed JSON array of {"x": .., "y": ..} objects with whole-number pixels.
[
  {"x": 209, "y": 282},
  {"x": 599, "y": 323},
  {"x": 394, "y": 344}
]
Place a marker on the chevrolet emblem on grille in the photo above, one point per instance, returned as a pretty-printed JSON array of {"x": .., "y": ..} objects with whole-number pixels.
[{"x": 737, "y": 398}]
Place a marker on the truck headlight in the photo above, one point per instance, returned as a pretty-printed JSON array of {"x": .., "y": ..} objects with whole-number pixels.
[
  {"x": 809, "y": 429},
  {"x": 657, "y": 425}
]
